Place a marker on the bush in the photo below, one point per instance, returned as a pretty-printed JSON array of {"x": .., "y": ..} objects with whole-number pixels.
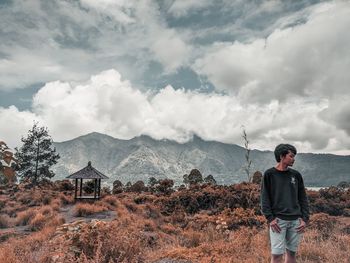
[
  {"x": 165, "y": 186},
  {"x": 323, "y": 223},
  {"x": 37, "y": 222},
  {"x": 138, "y": 187},
  {"x": 5, "y": 221},
  {"x": 85, "y": 209},
  {"x": 24, "y": 217}
]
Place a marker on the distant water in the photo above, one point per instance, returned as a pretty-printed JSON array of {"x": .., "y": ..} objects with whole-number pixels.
[{"x": 315, "y": 188}]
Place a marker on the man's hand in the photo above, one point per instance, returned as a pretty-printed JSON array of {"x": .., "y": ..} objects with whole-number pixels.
[
  {"x": 274, "y": 226},
  {"x": 301, "y": 227}
]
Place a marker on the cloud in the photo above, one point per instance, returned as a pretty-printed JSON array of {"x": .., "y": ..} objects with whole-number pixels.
[
  {"x": 108, "y": 104},
  {"x": 120, "y": 10},
  {"x": 278, "y": 68},
  {"x": 338, "y": 113},
  {"x": 77, "y": 39},
  {"x": 300, "y": 61},
  {"x": 14, "y": 124},
  {"x": 181, "y": 8},
  {"x": 170, "y": 50}
]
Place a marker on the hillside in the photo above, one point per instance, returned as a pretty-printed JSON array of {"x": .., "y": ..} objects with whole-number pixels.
[
  {"x": 143, "y": 157},
  {"x": 201, "y": 223}
]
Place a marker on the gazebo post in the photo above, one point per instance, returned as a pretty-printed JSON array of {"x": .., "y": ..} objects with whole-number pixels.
[
  {"x": 76, "y": 189},
  {"x": 99, "y": 188},
  {"x": 81, "y": 186},
  {"x": 95, "y": 188}
]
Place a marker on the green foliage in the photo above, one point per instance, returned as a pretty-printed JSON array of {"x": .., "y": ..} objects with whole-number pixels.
[
  {"x": 165, "y": 186},
  {"x": 152, "y": 181},
  {"x": 195, "y": 177},
  {"x": 185, "y": 179},
  {"x": 210, "y": 180},
  {"x": 344, "y": 184},
  {"x": 36, "y": 155},
  {"x": 89, "y": 186}
]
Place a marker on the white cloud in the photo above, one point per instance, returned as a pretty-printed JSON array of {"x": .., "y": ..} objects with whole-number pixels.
[
  {"x": 119, "y": 9},
  {"x": 305, "y": 60},
  {"x": 14, "y": 124},
  {"x": 170, "y": 50},
  {"x": 110, "y": 105}
]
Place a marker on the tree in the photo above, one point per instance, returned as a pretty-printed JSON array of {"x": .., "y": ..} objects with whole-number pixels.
[
  {"x": 89, "y": 187},
  {"x": 36, "y": 155},
  {"x": 152, "y": 181},
  {"x": 344, "y": 184},
  {"x": 195, "y": 177},
  {"x": 138, "y": 187},
  {"x": 117, "y": 187},
  {"x": 248, "y": 161},
  {"x": 210, "y": 180},
  {"x": 165, "y": 186},
  {"x": 185, "y": 179}
]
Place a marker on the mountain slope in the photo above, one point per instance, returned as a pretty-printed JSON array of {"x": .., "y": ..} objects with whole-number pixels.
[{"x": 142, "y": 157}]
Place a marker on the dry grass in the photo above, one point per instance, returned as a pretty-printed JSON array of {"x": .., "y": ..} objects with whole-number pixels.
[
  {"x": 5, "y": 221},
  {"x": 85, "y": 209},
  {"x": 28, "y": 249},
  {"x": 24, "y": 217},
  {"x": 145, "y": 231}
]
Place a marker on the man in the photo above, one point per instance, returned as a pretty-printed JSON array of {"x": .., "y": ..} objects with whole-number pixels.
[{"x": 284, "y": 204}]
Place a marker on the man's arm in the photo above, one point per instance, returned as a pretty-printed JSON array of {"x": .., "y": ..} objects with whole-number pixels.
[
  {"x": 265, "y": 201},
  {"x": 303, "y": 201}
]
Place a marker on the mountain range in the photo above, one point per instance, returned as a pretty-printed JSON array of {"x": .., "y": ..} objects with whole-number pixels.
[{"x": 143, "y": 157}]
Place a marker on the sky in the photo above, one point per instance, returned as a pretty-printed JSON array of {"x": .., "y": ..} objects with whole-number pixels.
[{"x": 174, "y": 68}]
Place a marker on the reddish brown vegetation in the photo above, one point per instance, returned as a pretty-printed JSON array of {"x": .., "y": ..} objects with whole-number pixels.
[{"x": 204, "y": 223}]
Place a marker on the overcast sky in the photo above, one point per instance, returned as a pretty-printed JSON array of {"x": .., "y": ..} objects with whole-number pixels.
[{"x": 174, "y": 68}]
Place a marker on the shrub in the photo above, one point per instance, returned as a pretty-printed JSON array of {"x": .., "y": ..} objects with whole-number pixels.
[
  {"x": 85, "y": 209},
  {"x": 323, "y": 223},
  {"x": 165, "y": 186},
  {"x": 112, "y": 200},
  {"x": 65, "y": 199},
  {"x": 5, "y": 221},
  {"x": 138, "y": 187},
  {"x": 37, "y": 222},
  {"x": 64, "y": 185},
  {"x": 24, "y": 217}
]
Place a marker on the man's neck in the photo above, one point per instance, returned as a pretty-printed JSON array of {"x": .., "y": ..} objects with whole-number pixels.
[{"x": 281, "y": 167}]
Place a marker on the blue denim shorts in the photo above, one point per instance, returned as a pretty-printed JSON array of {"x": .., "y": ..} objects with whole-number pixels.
[{"x": 287, "y": 238}]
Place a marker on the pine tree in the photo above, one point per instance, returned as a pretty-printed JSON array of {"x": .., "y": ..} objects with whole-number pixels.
[{"x": 36, "y": 155}]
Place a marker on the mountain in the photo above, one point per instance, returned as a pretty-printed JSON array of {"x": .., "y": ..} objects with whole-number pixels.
[{"x": 143, "y": 157}]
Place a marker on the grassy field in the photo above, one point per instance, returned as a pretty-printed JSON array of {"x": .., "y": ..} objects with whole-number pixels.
[{"x": 193, "y": 225}]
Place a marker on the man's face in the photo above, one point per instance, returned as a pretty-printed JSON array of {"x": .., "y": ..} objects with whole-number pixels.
[{"x": 288, "y": 159}]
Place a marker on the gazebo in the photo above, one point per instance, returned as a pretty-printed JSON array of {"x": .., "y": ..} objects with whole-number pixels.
[{"x": 89, "y": 173}]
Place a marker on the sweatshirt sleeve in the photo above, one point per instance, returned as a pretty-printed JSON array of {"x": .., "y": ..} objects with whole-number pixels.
[
  {"x": 303, "y": 200},
  {"x": 265, "y": 201}
]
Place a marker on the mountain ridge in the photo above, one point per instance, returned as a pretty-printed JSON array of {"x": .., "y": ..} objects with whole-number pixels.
[{"x": 142, "y": 157}]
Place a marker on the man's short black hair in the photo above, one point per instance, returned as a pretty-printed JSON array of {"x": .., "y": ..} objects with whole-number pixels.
[{"x": 283, "y": 150}]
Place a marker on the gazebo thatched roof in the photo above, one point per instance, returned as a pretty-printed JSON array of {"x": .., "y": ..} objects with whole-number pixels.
[{"x": 88, "y": 172}]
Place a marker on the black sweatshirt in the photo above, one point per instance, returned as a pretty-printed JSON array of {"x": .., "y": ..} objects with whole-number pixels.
[{"x": 283, "y": 195}]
